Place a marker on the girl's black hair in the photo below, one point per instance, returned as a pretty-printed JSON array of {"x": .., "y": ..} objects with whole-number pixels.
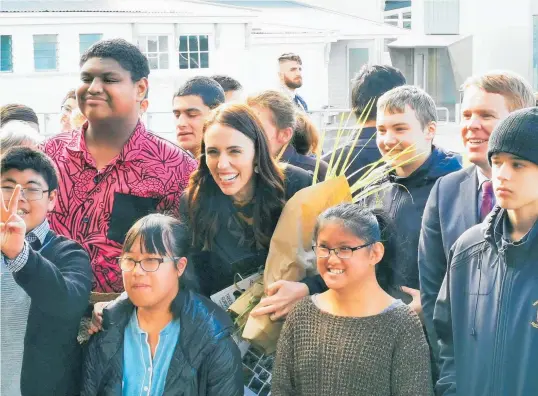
[
  {"x": 163, "y": 235},
  {"x": 371, "y": 226}
]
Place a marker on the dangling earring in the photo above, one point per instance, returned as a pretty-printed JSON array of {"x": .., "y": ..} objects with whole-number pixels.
[{"x": 256, "y": 170}]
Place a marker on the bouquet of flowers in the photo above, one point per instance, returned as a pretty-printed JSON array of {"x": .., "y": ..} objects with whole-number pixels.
[{"x": 290, "y": 252}]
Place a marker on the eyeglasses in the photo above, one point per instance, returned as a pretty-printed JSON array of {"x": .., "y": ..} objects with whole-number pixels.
[
  {"x": 343, "y": 252},
  {"x": 148, "y": 264},
  {"x": 30, "y": 194}
]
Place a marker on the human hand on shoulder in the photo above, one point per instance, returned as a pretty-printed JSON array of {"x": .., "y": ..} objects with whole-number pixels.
[
  {"x": 97, "y": 317},
  {"x": 416, "y": 303}
]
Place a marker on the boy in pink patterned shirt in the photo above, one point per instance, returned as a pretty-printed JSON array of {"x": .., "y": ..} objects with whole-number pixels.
[{"x": 113, "y": 171}]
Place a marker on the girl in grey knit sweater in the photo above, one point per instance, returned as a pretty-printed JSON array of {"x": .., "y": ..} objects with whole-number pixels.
[{"x": 354, "y": 339}]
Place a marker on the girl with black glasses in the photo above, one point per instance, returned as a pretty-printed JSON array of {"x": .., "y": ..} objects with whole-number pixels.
[{"x": 354, "y": 339}]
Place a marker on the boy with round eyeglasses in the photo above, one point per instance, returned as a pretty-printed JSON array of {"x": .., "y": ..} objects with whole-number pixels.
[{"x": 45, "y": 283}]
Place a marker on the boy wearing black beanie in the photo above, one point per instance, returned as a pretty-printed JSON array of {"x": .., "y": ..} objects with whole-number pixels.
[{"x": 486, "y": 316}]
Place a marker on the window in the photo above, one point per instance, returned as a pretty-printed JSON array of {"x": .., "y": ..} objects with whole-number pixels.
[
  {"x": 6, "y": 56},
  {"x": 193, "y": 52},
  {"x": 87, "y": 40},
  {"x": 400, "y": 17},
  {"x": 156, "y": 50},
  {"x": 45, "y": 52}
]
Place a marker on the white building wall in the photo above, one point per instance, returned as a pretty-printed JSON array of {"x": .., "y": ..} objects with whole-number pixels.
[
  {"x": 227, "y": 54},
  {"x": 338, "y": 91},
  {"x": 503, "y": 40},
  {"x": 502, "y": 34},
  {"x": 340, "y": 81},
  {"x": 44, "y": 90},
  {"x": 368, "y": 9}
]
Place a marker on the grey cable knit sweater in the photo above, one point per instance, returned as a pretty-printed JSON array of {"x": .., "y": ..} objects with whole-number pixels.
[{"x": 322, "y": 354}]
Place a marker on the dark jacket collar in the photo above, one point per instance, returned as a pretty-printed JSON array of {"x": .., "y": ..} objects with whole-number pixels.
[
  {"x": 202, "y": 322},
  {"x": 289, "y": 154},
  {"x": 194, "y": 312},
  {"x": 439, "y": 163},
  {"x": 496, "y": 231},
  {"x": 366, "y": 138},
  {"x": 368, "y": 133}
]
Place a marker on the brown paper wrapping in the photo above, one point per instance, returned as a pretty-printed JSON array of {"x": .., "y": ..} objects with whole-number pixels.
[{"x": 290, "y": 252}]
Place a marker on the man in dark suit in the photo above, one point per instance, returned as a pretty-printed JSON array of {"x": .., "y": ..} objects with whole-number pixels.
[{"x": 463, "y": 199}]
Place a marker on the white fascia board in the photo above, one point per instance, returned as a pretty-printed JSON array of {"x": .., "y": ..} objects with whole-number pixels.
[
  {"x": 368, "y": 36},
  {"x": 18, "y": 19},
  {"x": 283, "y": 39}
]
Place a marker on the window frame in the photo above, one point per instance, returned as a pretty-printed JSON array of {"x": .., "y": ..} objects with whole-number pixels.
[
  {"x": 87, "y": 34},
  {"x": 10, "y": 54},
  {"x": 156, "y": 55},
  {"x": 195, "y": 51},
  {"x": 56, "y": 50},
  {"x": 399, "y": 17}
]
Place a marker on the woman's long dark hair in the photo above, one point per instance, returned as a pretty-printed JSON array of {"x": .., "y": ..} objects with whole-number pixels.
[
  {"x": 371, "y": 226},
  {"x": 204, "y": 194}
]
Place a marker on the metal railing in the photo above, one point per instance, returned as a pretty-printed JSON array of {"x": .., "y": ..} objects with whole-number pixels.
[{"x": 329, "y": 120}]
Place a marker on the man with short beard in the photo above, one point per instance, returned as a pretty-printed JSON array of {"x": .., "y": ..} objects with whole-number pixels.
[{"x": 291, "y": 77}]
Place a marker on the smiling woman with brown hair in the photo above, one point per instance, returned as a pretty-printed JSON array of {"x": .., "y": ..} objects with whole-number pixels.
[{"x": 235, "y": 198}]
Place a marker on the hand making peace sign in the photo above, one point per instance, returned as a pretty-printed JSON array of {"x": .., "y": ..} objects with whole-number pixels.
[{"x": 12, "y": 226}]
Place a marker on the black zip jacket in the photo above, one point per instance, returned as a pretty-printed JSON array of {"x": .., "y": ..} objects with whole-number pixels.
[
  {"x": 486, "y": 316},
  {"x": 404, "y": 199},
  {"x": 206, "y": 360}
]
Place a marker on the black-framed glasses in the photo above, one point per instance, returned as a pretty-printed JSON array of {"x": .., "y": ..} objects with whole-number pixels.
[
  {"x": 148, "y": 264},
  {"x": 30, "y": 193},
  {"x": 343, "y": 252}
]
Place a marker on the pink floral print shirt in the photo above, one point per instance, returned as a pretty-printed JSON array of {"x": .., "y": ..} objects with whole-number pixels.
[{"x": 97, "y": 208}]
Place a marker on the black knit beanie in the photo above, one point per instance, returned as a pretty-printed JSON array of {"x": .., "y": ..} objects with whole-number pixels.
[{"x": 517, "y": 134}]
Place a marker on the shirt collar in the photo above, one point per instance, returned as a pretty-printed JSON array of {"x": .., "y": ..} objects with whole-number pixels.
[
  {"x": 40, "y": 232},
  {"x": 135, "y": 327},
  {"x": 133, "y": 323},
  {"x": 481, "y": 178},
  {"x": 130, "y": 150}
]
